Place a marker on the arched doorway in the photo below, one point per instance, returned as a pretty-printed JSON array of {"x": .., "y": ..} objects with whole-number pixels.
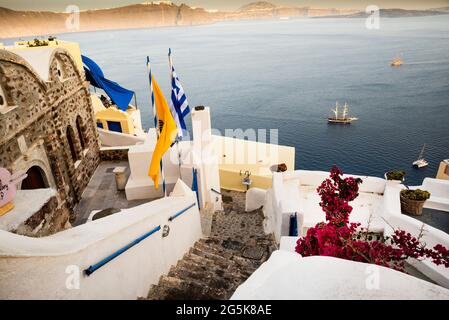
[
  {"x": 71, "y": 142},
  {"x": 81, "y": 133},
  {"x": 35, "y": 180}
]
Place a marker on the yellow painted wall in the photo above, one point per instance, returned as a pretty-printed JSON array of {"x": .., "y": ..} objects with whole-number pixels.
[
  {"x": 114, "y": 114},
  {"x": 232, "y": 180},
  {"x": 442, "y": 170},
  {"x": 238, "y": 156}
]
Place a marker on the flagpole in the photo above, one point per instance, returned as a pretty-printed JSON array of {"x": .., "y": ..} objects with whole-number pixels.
[
  {"x": 170, "y": 63},
  {"x": 156, "y": 125}
]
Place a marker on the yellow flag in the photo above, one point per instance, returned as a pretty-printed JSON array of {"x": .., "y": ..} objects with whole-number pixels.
[{"x": 167, "y": 134}]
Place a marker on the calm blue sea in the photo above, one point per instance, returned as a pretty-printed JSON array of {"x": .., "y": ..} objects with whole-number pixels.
[{"x": 288, "y": 74}]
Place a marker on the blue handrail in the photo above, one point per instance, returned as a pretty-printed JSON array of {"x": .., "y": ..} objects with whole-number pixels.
[
  {"x": 98, "y": 265},
  {"x": 173, "y": 217}
]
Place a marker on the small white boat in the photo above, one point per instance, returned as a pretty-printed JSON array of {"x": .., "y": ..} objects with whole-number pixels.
[{"x": 421, "y": 162}]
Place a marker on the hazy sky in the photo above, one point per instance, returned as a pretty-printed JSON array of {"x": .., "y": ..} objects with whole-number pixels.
[{"x": 59, "y": 5}]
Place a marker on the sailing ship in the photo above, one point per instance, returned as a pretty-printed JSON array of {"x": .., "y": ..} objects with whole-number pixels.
[
  {"x": 421, "y": 162},
  {"x": 340, "y": 117},
  {"x": 397, "y": 62}
]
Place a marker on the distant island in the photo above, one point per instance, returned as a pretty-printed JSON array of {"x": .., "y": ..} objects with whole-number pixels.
[
  {"x": 394, "y": 13},
  {"x": 14, "y": 24}
]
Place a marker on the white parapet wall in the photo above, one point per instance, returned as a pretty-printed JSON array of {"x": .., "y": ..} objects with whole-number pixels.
[
  {"x": 116, "y": 139},
  {"x": 429, "y": 236},
  {"x": 197, "y": 154},
  {"x": 295, "y": 191},
  {"x": 238, "y": 156},
  {"x": 52, "y": 267},
  {"x": 204, "y": 158},
  {"x": 287, "y": 196},
  {"x": 439, "y": 193},
  {"x": 140, "y": 185},
  {"x": 288, "y": 276}
]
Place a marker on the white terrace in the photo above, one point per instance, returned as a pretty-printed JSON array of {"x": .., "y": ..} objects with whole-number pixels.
[{"x": 377, "y": 208}]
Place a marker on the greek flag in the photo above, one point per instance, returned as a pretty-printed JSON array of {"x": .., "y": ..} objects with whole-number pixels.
[{"x": 179, "y": 106}]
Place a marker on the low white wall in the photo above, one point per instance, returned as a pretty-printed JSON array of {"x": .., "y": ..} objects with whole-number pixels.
[
  {"x": 315, "y": 178},
  {"x": 283, "y": 198},
  {"x": 35, "y": 268},
  {"x": 430, "y": 236},
  {"x": 140, "y": 185},
  {"x": 439, "y": 193},
  {"x": 287, "y": 276},
  {"x": 281, "y": 202},
  {"x": 255, "y": 199},
  {"x": 115, "y": 139}
]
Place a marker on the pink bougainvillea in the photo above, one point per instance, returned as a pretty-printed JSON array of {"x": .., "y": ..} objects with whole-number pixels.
[{"x": 339, "y": 238}]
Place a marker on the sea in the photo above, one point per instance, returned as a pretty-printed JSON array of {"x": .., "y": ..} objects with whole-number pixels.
[{"x": 288, "y": 74}]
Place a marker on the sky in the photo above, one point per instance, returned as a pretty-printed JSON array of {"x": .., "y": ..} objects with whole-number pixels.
[{"x": 60, "y": 5}]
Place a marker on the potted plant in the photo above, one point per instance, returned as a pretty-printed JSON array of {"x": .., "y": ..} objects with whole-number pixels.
[
  {"x": 412, "y": 201},
  {"x": 396, "y": 176}
]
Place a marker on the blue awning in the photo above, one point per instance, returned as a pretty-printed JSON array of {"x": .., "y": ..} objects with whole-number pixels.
[{"x": 119, "y": 95}]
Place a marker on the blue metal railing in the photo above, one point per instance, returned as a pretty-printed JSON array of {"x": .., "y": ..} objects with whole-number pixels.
[
  {"x": 114, "y": 255},
  {"x": 173, "y": 217}
]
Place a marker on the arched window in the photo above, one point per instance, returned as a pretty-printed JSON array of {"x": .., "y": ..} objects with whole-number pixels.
[
  {"x": 3, "y": 103},
  {"x": 60, "y": 70},
  {"x": 36, "y": 179},
  {"x": 81, "y": 133},
  {"x": 71, "y": 140}
]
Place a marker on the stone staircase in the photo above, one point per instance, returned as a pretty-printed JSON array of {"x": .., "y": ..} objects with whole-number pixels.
[{"x": 215, "y": 266}]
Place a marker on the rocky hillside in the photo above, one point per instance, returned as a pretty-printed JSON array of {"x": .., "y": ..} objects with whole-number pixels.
[
  {"x": 393, "y": 13},
  {"x": 267, "y": 10},
  {"x": 34, "y": 23}
]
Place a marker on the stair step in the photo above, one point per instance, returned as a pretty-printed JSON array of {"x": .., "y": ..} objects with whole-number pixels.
[
  {"x": 215, "y": 266},
  {"x": 209, "y": 278},
  {"x": 215, "y": 249},
  {"x": 200, "y": 260},
  {"x": 211, "y": 256},
  {"x": 172, "y": 288},
  {"x": 235, "y": 271}
]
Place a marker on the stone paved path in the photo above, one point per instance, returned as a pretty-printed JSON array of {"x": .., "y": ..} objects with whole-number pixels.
[
  {"x": 101, "y": 194},
  {"x": 218, "y": 264}
]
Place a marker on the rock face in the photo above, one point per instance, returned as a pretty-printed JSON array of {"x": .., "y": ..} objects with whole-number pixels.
[
  {"x": 392, "y": 13},
  {"x": 36, "y": 23},
  {"x": 217, "y": 265},
  {"x": 33, "y": 23}
]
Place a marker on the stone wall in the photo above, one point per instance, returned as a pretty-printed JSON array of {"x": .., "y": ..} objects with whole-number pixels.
[
  {"x": 119, "y": 154},
  {"x": 44, "y": 112},
  {"x": 51, "y": 218}
]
